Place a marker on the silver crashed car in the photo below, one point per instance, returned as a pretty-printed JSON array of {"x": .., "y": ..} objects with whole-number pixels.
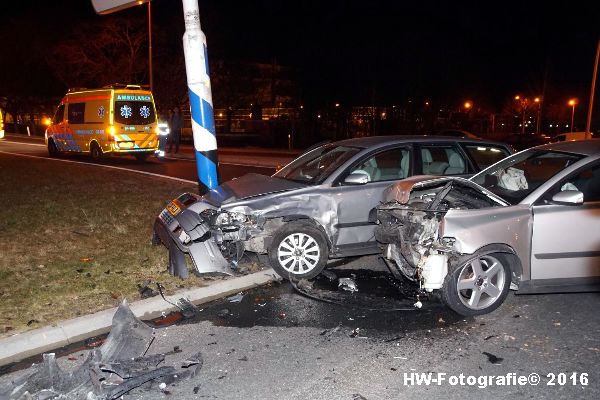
[
  {"x": 320, "y": 206},
  {"x": 530, "y": 222}
]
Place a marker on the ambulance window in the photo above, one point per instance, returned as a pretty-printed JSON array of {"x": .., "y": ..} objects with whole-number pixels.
[
  {"x": 134, "y": 112},
  {"x": 76, "y": 113},
  {"x": 60, "y": 114}
]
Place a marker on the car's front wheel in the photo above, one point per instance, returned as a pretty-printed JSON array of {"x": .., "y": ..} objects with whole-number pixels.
[
  {"x": 477, "y": 285},
  {"x": 299, "y": 250}
]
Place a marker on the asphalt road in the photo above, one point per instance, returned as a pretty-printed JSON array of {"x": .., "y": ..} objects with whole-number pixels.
[
  {"x": 279, "y": 344},
  {"x": 171, "y": 166}
]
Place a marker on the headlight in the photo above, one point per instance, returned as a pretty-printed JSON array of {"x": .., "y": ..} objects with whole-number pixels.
[{"x": 229, "y": 218}]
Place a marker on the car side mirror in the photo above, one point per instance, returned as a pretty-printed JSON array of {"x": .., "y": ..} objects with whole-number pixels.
[
  {"x": 357, "y": 178},
  {"x": 568, "y": 198}
]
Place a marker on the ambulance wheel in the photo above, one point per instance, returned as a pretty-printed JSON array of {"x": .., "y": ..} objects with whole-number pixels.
[
  {"x": 96, "y": 152},
  {"x": 141, "y": 156},
  {"x": 52, "y": 149},
  {"x": 299, "y": 250}
]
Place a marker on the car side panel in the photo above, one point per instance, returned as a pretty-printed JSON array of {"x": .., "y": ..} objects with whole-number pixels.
[{"x": 474, "y": 229}]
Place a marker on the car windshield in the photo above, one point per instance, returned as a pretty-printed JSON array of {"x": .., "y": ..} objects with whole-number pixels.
[
  {"x": 517, "y": 176},
  {"x": 316, "y": 165}
]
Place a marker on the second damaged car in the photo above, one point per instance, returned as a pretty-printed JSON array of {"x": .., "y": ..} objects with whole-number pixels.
[{"x": 529, "y": 222}]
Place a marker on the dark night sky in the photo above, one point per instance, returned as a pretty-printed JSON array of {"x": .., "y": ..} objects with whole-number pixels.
[{"x": 386, "y": 51}]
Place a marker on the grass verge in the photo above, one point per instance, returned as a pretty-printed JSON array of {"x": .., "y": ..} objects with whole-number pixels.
[{"x": 75, "y": 239}]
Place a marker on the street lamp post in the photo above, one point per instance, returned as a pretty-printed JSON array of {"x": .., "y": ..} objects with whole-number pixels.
[
  {"x": 538, "y": 101},
  {"x": 150, "y": 44},
  {"x": 572, "y": 103}
]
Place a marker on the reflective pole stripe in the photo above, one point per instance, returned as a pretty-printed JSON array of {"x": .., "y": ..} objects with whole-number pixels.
[{"x": 203, "y": 122}]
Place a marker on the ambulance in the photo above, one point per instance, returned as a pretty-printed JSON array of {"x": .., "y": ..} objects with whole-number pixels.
[{"x": 114, "y": 120}]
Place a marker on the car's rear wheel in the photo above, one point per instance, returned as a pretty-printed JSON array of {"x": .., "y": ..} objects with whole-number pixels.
[
  {"x": 96, "y": 152},
  {"x": 299, "y": 250},
  {"x": 477, "y": 285},
  {"x": 52, "y": 149}
]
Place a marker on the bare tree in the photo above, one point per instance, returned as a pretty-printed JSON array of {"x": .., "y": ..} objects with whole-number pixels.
[{"x": 107, "y": 51}]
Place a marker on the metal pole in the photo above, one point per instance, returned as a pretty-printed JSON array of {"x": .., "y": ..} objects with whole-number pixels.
[
  {"x": 203, "y": 122},
  {"x": 150, "y": 43},
  {"x": 572, "y": 117},
  {"x": 588, "y": 124}
]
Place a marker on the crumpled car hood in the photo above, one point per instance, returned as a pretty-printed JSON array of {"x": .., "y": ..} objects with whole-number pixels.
[
  {"x": 400, "y": 191},
  {"x": 247, "y": 186}
]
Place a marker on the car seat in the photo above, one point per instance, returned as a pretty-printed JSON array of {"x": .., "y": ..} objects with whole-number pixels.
[
  {"x": 456, "y": 165},
  {"x": 371, "y": 168},
  {"x": 431, "y": 167}
]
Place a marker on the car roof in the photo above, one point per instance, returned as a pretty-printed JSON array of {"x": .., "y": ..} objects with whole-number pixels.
[
  {"x": 588, "y": 147},
  {"x": 380, "y": 141}
]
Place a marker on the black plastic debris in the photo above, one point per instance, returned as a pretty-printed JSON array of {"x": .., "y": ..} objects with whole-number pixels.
[
  {"x": 492, "y": 358},
  {"x": 146, "y": 291},
  {"x": 119, "y": 366},
  {"x": 378, "y": 291}
]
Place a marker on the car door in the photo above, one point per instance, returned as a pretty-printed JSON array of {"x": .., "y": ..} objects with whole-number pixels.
[
  {"x": 566, "y": 239},
  {"x": 355, "y": 202}
]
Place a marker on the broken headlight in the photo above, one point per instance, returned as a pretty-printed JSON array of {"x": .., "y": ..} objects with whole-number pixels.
[{"x": 226, "y": 218}]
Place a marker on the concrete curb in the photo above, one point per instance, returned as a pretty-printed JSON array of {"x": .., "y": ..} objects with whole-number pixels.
[{"x": 27, "y": 344}]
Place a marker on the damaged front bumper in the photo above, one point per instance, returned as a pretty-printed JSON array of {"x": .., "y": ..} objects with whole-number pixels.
[
  {"x": 184, "y": 231},
  {"x": 212, "y": 237}
]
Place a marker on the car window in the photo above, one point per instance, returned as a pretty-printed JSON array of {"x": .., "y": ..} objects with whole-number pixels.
[
  {"x": 442, "y": 160},
  {"x": 315, "y": 166},
  {"x": 60, "y": 114},
  {"x": 517, "y": 176},
  {"x": 586, "y": 181},
  {"x": 485, "y": 155},
  {"x": 387, "y": 165}
]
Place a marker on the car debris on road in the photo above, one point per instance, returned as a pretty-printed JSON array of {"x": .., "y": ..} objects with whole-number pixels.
[{"x": 119, "y": 366}]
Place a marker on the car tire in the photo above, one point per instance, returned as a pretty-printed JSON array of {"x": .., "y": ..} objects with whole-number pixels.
[
  {"x": 96, "y": 152},
  {"x": 52, "y": 149},
  {"x": 477, "y": 284},
  {"x": 141, "y": 156},
  {"x": 299, "y": 250}
]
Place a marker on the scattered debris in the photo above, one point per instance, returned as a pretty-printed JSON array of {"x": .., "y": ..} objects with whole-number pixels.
[
  {"x": 489, "y": 337},
  {"x": 86, "y": 259},
  {"x": 394, "y": 339},
  {"x": 224, "y": 312},
  {"x": 328, "y": 332},
  {"x": 145, "y": 290},
  {"x": 236, "y": 298},
  {"x": 32, "y": 321},
  {"x": 493, "y": 359},
  {"x": 281, "y": 315},
  {"x": 516, "y": 316},
  {"x": 347, "y": 284},
  {"x": 109, "y": 372},
  {"x": 329, "y": 274},
  {"x": 355, "y": 332},
  {"x": 418, "y": 304},
  {"x": 358, "y": 396},
  {"x": 243, "y": 359}
]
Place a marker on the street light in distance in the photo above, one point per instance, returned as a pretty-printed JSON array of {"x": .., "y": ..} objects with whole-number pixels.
[{"x": 572, "y": 103}]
